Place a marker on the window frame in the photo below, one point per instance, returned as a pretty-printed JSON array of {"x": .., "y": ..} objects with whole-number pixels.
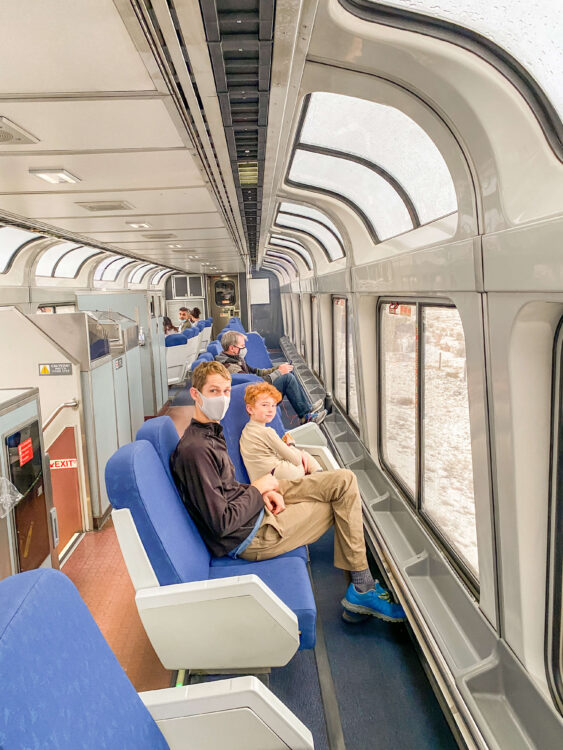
[
  {"x": 276, "y": 241},
  {"x": 318, "y": 240},
  {"x": 18, "y": 248},
  {"x": 553, "y": 653},
  {"x": 80, "y": 266},
  {"x": 415, "y": 501}
]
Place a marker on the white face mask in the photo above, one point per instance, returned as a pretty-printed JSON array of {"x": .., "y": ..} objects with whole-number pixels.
[
  {"x": 214, "y": 408},
  {"x": 242, "y": 352}
]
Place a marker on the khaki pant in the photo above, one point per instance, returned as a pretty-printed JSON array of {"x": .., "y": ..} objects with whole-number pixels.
[{"x": 313, "y": 504}]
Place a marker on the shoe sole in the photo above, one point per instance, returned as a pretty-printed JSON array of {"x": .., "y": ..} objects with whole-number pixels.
[{"x": 359, "y": 609}]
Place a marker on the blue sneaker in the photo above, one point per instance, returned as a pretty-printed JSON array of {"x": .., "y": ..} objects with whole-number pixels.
[
  {"x": 376, "y": 602},
  {"x": 314, "y": 416}
]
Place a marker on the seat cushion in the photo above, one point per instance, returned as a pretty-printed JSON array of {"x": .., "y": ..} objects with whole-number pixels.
[
  {"x": 136, "y": 479},
  {"x": 288, "y": 578},
  {"x": 175, "y": 339},
  {"x": 163, "y": 436},
  {"x": 257, "y": 354},
  {"x": 228, "y": 562},
  {"x": 62, "y": 687}
]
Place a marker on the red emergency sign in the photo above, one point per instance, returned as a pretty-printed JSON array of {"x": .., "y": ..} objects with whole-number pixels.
[
  {"x": 63, "y": 463},
  {"x": 25, "y": 451}
]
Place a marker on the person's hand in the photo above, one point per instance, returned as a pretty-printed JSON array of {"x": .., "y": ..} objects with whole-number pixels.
[
  {"x": 267, "y": 483},
  {"x": 288, "y": 440},
  {"x": 285, "y": 368},
  {"x": 307, "y": 460},
  {"x": 274, "y": 502}
]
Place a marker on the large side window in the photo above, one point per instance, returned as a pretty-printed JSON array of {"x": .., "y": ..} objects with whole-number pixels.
[
  {"x": 315, "y": 335},
  {"x": 425, "y": 439},
  {"x": 344, "y": 372}
]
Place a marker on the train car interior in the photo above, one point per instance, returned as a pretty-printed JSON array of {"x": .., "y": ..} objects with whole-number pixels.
[{"x": 364, "y": 199}]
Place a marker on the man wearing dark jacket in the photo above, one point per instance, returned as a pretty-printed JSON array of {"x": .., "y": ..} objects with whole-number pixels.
[
  {"x": 264, "y": 519},
  {"x": 281, "y": 377}
]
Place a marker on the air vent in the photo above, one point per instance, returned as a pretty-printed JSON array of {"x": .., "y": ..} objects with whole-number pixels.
[
  {"x": 106, "y": 206},
  {"x": 160, "y": 236},
  {"x": 12, "y": 134}
]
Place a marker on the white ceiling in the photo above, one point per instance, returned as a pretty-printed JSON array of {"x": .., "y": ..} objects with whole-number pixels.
[{"x": 83, "y": 82}]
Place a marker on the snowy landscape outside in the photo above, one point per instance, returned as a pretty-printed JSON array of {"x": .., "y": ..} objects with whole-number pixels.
[{"x": 447, "y": 470}]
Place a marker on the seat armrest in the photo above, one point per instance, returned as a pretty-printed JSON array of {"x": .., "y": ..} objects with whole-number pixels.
[
  {"x": 309, "y": 433},
  {"x": 322, "y": 454},
  {"x": 225, "y": 623},
  {"x": 239, "y": 713}
]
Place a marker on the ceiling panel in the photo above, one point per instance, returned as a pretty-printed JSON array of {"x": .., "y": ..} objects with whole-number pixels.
[
  {"x": 85, "y": 125},
  {"x": 43, "y": 205},
  {"x": 101, "y": 171},
  {"x": 118, "y": 223},
  {"x": 139, "y": 235},
  {"x": 207, "y": 245},
  {"x": 67, "y": 46}
]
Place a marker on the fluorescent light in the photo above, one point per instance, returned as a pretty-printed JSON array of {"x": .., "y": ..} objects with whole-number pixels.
[
  {"x": 141, "y": 225},
  {"x": 174, "y": 245},
  {"x": 54, "y": 176}
]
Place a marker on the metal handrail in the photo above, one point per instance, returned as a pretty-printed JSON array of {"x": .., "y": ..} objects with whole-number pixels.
[{"x": 65, "y": 405}]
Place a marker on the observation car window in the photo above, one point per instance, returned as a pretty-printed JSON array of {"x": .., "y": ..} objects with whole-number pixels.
[
  {"x": 71, "y": 263},
  {"x": 353, "y": 410},
  {"x": 11, "y": 240},
  {"x": 291, "y": 244},
  {"x": 282, "y": 256},
  {"x": 424, "y": 421},
  {"x": 447, "y": 471},
  {"x": 51, "y": 257},
  {"x": 310, "y": 213},
  {"x": 157, "y": 278},
  {"x": 324, "y": 236},
  {"x": 101, "y": 267},
  {"x": 398, "y": 363},
  {"x": 112, "y": 271},
  {"x": 137, "y": 274},
  {"x": 342, "y": 352},
  {"x": 531, "y": 32},
  {"x": 372, "y": 196},
  {"x": 388, "y": 138},
  {"x": 315, "y": 335}
]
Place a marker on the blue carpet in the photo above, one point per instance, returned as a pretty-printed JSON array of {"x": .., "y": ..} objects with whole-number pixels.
[
  {"x": 384, "y": 696},
  {"x": 297, "y": 685}
]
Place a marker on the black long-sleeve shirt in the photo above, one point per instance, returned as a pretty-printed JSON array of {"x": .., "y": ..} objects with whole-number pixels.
[{"x": 224, "y": 510}]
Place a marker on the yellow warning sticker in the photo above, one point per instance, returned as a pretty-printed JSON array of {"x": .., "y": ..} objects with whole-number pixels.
[
  {"x": 55, "y": 368},
  {"x": 44, "y": 370}
]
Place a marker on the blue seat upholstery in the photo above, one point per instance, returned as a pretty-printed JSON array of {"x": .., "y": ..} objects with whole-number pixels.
[
  {"x": 175, "y": 339},
  {"x": 136, "y": 479},
  {"x": 243, "y": 377},
  {"x": 206, "y": 357},
  {"x": 163, "y": 436},
  {"x": 257, "y": 353},
  {"x": 189, "y": 333},
  {"x": 62, "y": 687},
  {"x": 214, "y": 348},
  {"x": 198, "y": 361}
]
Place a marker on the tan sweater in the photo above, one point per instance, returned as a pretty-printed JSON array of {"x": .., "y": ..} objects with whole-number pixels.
[{"x": 262, "y": 450}]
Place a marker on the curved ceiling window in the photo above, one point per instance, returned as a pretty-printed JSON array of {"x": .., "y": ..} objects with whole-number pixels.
[
  {"x": 284, "y": 257},
  {"x": 382, "y": 209},
  {"x": 159, "y": 275},
  {"x": 136, "y": 276},
  {"x": 51, "y": 257},
  {"x": 11, "y": 240},
  {"x": 294, "y": 245},
  {"x": 277, "y": 266},
  {"x": 311, "y": 213},
  {"x": 101, "y": 267},
  {"x": 112, "y": 271},
  {"x": 326, "y": 239},
  {"x": 71, "y": 263},
  {"x": 529, "y": 30},
  {"x": 388, "y": 139}
]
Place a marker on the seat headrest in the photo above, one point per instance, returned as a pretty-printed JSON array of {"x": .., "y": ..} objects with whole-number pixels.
[
  {"x": 136, "y": 479},
  {"x": 53, "y": 662},
  {"x": 163, "y": 436},
  {"x": 233, "y": 424},
  {"x": 189, "y": 333},
  {"x": 175, "y": 339}
]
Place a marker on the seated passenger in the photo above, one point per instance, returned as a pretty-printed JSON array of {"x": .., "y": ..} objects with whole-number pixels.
[
  {"x": 195, "y": 315},
  {"x": 262, "y": 450},
  {"x": 264, "y": 519},
  {"x": 281, "y": 377},
  {"x": 184, "y": 317},
  {"x": 169, "y": 326}
]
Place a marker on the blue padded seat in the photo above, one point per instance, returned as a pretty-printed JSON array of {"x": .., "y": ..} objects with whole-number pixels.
[
  {"x": 214, "y": 348},
  {"x": 62, "y": 687},
  {"x": 257, "y": 353},
  {"x": 206, "y": 357},
  {"x": 136, "y": 479},
  {"x": 189, "y": 333},
  {"x": 175, "y": 339},
  {"x": 163, "y": 436},
  {"x": 197, "y": 362},
  {"x": 243, "y": 377}
]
